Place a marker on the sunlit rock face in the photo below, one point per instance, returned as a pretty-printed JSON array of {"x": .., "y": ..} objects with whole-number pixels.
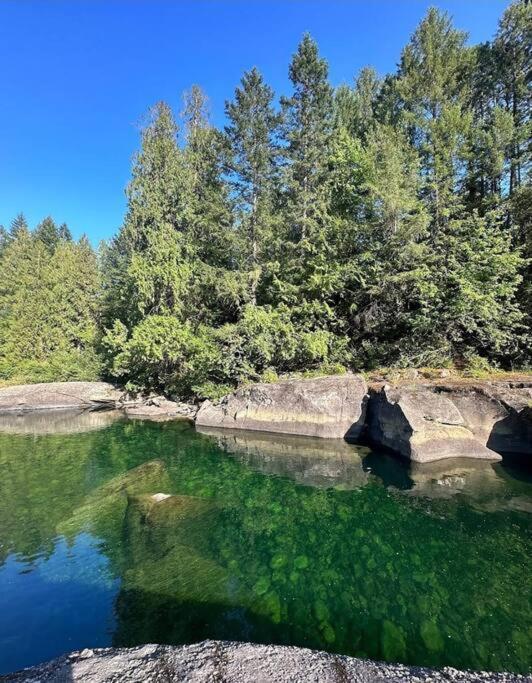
[
  {"x": 498, "y": 414},
  {"x": 325, "y": 407},
  {"x": 57, "y": 421},
  {"x": 58, "y": 395},
  {"x": 311, "y": 462},
  {"x": 422, "y": 425}
]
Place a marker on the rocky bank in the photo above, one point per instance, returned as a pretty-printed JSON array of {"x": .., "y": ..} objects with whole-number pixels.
[
  {"x": 23, "y": 399},
  {"x": 227, "y": 662},
  {"x": 326, "y": 407},
  {"x": 423, "y": 422},
  {"x": 419, "y": 420}
]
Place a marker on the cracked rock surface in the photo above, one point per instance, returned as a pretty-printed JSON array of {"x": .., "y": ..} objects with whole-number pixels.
[
  {"x": 226, "y": 662},
  {"x": 58, "y": 396}
]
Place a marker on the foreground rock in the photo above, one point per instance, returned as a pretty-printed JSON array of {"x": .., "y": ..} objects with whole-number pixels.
[
  {"x": 59, "y": 395},
  {"x": 422, "y": 425},
  {"x": 217, "y": 661},
  {"x": 327, "y": 407}
]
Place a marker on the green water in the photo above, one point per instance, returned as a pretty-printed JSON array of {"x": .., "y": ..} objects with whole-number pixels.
[{"x": 282, "y": 540}]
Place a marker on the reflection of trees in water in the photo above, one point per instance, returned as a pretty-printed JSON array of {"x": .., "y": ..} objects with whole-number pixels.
[{"x": 228, "y": 552}]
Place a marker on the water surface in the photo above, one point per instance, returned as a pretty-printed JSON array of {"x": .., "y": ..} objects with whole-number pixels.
[{"x": 116, "y": 532}]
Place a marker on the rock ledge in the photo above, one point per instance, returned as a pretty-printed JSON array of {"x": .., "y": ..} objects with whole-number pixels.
[{"x": 214, "y": 661}]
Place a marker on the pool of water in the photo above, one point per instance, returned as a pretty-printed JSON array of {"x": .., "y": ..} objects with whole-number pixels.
[{"x": 117, "y": 532}]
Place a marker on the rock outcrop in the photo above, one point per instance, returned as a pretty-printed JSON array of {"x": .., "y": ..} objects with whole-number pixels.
[
  {"x": 499, "y": 414},
  {"x": 88, "y": 396},
  {"x": 211, "y": 661},
  {"x": 422, "y": 425},
  {"x": 326, "y": 407},
  {"x": 59, "y": 396}
]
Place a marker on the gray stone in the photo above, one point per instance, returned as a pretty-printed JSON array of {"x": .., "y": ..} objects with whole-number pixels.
[
  {"x": 326, "y": 407},
  {"x": 499, "y": 414},
  {"x": 58, "y": 395},
  {"x": 158, "y": 408},
  {"x": 422, "y": 425},
  {"x": 215, "y": 661}
]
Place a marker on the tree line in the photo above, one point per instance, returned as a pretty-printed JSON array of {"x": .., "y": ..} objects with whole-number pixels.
[{"x": 387, "y": 222}]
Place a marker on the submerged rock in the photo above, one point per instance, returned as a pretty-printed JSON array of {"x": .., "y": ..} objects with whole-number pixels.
[
  {"x": 213, "y": 660},
  {"x": 422, "y": 425},
  {"x": 329, "y": 407}
]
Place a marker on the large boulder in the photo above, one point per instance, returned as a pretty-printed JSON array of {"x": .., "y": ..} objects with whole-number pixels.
[
  {"x": 58, "y": 395},
  {"x": 326, "y": 407},
  {"x": 499, "y": 414},
  {"x": 422, "y": 425}
]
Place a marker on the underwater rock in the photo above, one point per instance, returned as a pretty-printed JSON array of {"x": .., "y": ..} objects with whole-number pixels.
[{"x": 326, "y": 407}]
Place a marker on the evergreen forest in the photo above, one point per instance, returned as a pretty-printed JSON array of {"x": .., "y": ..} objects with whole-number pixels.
[{"x": 382, "y": 223}]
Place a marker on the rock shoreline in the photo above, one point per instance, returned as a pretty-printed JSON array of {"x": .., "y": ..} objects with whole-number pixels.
[
  {"x": 420, "y": 421},
  {"x": 214, "y": 661},
  {"x": 88, "y": 396}
]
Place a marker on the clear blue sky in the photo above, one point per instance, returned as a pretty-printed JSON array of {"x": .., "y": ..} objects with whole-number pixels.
[{"x": 76, "y": 77}]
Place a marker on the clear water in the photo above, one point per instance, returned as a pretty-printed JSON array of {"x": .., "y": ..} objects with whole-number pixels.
[{"x": 278, "y": 540}]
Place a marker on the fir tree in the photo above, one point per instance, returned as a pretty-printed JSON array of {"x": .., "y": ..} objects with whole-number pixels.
[
  {"x": 18, "y": 224},
  {"x": 308, "y": 125},
  {"x": 252, "y": 132},
  {"x": 48, "y": 233}
]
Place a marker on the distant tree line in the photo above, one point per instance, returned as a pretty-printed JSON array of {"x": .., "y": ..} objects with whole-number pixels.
[{"x": 386, "y": 222}]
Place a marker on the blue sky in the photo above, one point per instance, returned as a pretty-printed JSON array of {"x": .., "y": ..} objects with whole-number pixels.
[{"x": 76, "y": 77}]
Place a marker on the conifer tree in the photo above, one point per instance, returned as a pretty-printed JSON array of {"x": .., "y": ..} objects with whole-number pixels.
[
  {"x": 433, "y": 85},
  {"x": 308, "y": 124},
  {"x": 18, "y": 224},
  {"x": 207, "y": 203},
  {"x": 513, "y": 56},
  {"x": 152, "y": 245},
  {"x": 49, "y": 303},
  {"x": 252, "y": 132},
  {"x": 64, "y": 233}
]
